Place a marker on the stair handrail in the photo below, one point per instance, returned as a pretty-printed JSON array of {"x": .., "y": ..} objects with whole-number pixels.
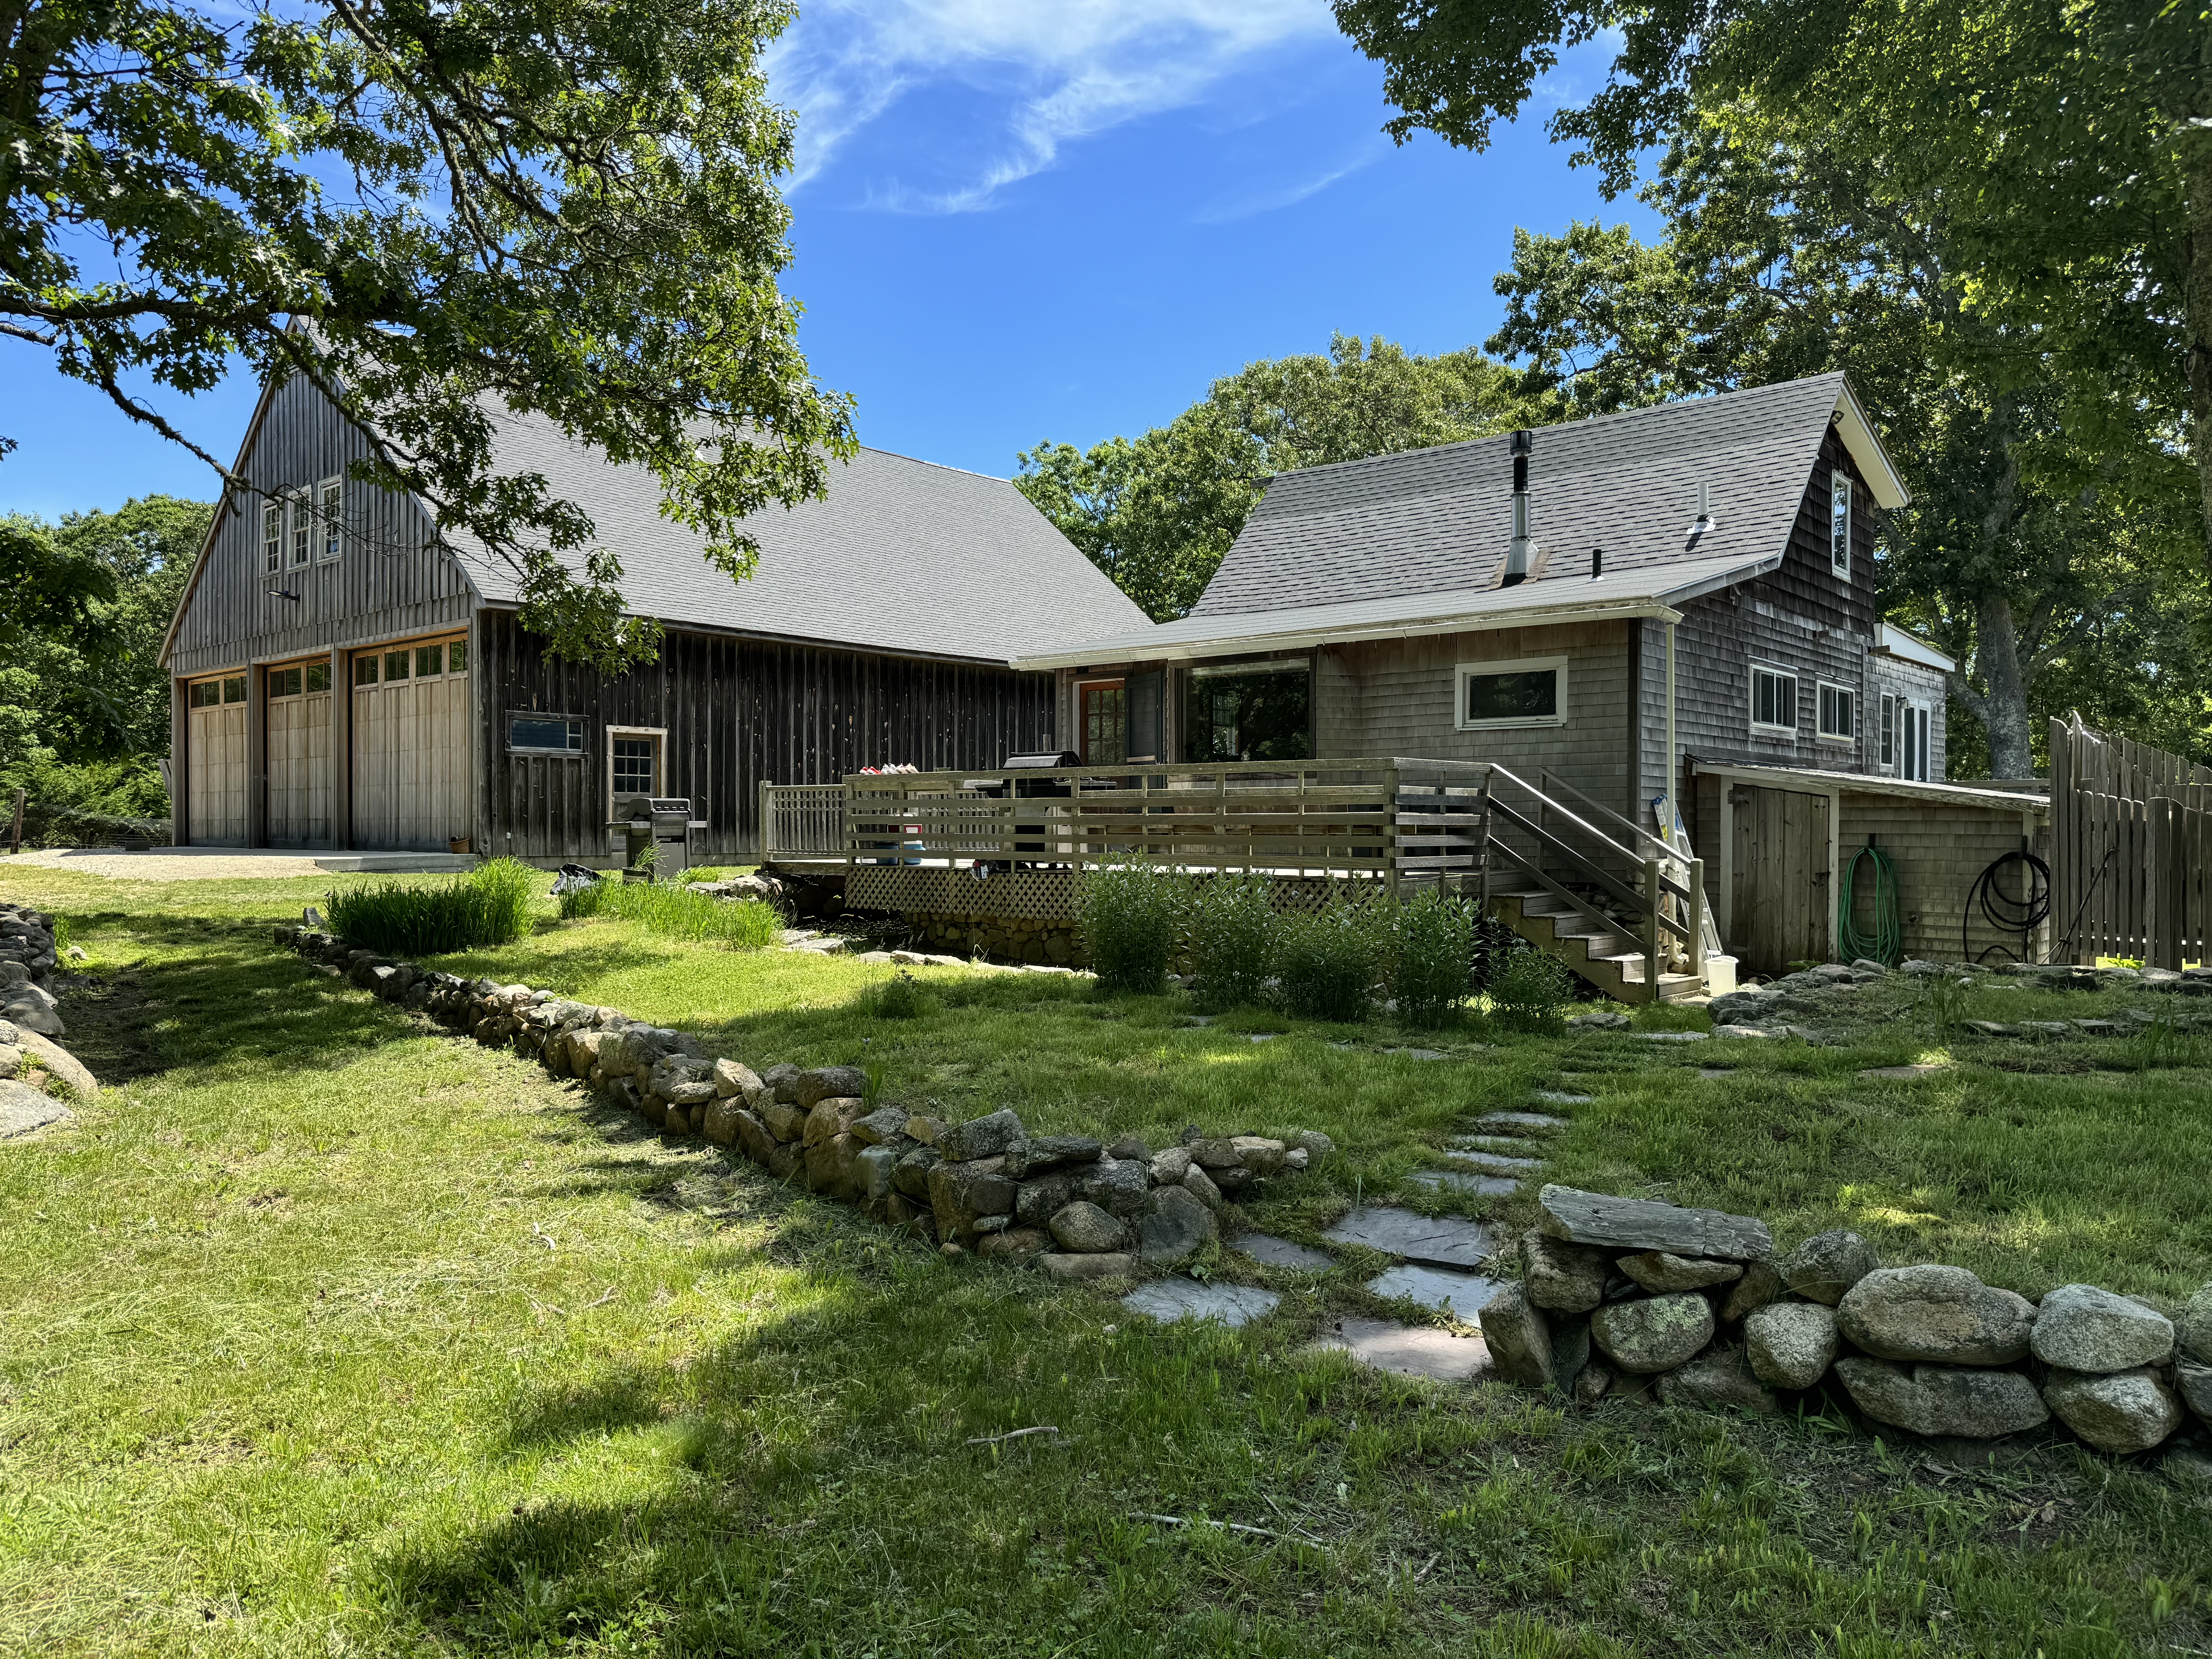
[
  {"x": 1666, "y": 851},
  {"x": 1588, "y": 829},
  {"x": 1596, "y": 873}
]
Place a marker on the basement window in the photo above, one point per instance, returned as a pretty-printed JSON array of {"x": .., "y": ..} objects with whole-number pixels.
[
  {"x": 1773, "y": 699},
  {"x": 1530, "y": 692},
  {"x": 545, "y": 734}
]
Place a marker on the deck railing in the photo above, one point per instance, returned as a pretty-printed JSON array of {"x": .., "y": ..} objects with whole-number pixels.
[
  {"x": 1388, "y": 822},
  {"x": 802, "y": 822}
]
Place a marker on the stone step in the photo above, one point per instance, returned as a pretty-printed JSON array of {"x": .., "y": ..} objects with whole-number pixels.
[
  {"x": 1447, "y": 1290},
  {"x": 1495, "y": 1163},
  {"x": 1454, "y": 1181},
  {"x": 1541, "y": 1122}
]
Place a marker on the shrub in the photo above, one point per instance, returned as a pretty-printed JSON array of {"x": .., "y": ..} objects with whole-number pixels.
[
  {"x": 679, "y": 912},
  {"x": 1436, "y": 941},
  {"x": 491, "y": 905},
  {"x": 1528, "y": 988},
  {"x": 1230, "y": 937},
  {"x": 1128, "y": 912},
  {"x": 1328, "y": 961}
]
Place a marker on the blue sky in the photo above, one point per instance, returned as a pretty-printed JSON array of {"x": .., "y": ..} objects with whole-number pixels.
[{"x": 1017, "y": 221}]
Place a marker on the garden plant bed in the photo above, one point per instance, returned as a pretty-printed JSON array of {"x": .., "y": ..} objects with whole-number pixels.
[{"x": 322, "y": 1326}]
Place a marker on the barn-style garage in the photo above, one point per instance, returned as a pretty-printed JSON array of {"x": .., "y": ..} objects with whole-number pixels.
[
  {"x": 411, "y": 776},
  {"x": 216, "y": 759},
  {"x": 299, "y": 746}
]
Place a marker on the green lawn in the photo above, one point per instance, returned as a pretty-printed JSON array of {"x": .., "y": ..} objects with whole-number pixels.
[{"x": 325, "y": 1332}]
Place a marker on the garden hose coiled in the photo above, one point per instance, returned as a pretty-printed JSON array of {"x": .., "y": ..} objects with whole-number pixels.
[
  {"x": 2007, "y": 915},
  {"x": 1887, "y": 946}
]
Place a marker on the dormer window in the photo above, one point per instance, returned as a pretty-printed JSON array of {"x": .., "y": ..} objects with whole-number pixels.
[{"x": 1839, "y": 526}]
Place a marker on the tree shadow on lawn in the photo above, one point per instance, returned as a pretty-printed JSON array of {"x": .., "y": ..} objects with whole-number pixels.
[{"x": 213, "y": 995}]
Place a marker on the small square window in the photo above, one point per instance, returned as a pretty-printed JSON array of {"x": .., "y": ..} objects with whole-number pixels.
[
  {"x": 427, "y": 661},
  {"x": 395, "y": 666},
  {"x": 234, "y": 689},
  {"x": 364, "y": 669},
  {"x": 1773, "y": 699},
  {"x": 1839, "y": 713},
  {"x": 1839, "y": 525}
]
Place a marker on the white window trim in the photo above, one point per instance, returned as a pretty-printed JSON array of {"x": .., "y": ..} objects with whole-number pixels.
[
  {"x": 1886, "y": 756},
  {"x": 272, "y": 505},
  {"x": 1840, "y": 485},
  {"x": 1462, "y": 672},
  {"x": 1850, "y": 737},
  {"x": 659, "y": 735},
  {"x": 1760, "y": 728},
  {"x": 299, "y": 525},
  {"x": 330, "y": 526}
]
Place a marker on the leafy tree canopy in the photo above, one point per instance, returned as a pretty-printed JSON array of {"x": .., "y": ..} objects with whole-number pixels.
[
  {"x": 439, "y": 216},
  {"x": 1157, "y": 513}
]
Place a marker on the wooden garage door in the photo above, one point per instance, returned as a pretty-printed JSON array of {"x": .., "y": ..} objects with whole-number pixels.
[
  {"x": 215, "y": 749},
  {"x": 1778, "y": 904},
  {"x": 410, "y": 745},
  {"x": 300, "y": 755}
]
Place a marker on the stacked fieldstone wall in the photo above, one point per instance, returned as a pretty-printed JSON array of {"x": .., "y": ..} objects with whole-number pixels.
[
  {"x": 1079, "y": 1208},
  {"x": 1622, "y": 1298}
]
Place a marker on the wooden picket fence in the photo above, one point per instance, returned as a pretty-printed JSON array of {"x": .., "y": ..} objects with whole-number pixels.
[{"x": 2132, "y": 848}]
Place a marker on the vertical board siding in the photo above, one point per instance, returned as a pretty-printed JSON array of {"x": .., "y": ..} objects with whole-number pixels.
[
  {"x": 2132, "y": 852},
  {"x": 738, "y": 714},
  {"x": 217, "y": 781},
  {"x": 299, "y": 770},
  {"x": 388, "y": 579}
]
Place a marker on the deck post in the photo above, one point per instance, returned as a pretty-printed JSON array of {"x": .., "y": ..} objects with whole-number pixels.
[
  {"x": 1390, "y": 831},
  {"x": 1696, "y": 911},
  {"x": 1652, "y": 949},
  {"x": 767, "y": 821}
]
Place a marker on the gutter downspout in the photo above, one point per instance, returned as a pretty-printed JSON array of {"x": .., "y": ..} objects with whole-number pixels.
[{"x": 1674, "y": 758}]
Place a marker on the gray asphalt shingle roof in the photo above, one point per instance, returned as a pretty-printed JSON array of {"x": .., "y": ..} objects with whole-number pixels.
[
  {"x": 1437, "y": 521},
  {"x": 903, "y": 556}
]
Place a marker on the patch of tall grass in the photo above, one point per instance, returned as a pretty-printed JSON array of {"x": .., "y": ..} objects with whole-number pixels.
[
  {"x": 1329, "y": 963},
  {"x": 1130, "y": 913},
  {"x": 678, "y": 912},
  {"x": 1436, "y": 946},
  {"x": 491, "y": 905},
  {"x": 1228, "y": 937}
]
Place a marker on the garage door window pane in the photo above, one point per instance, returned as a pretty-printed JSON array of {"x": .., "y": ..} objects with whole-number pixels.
[
  {"x": 284, "y": 682},
  {"x": 206, "y": 694},
  {"x": 364, "y": 671},
  {"x": 234, "y": 691},
  {"x": 457, "y": 656},
  {"x": 425, "y": 661},
  {"x": 633, "y": 767},
  {"x": 395, "y": 665},
  {"x": 319, "y": 676}
]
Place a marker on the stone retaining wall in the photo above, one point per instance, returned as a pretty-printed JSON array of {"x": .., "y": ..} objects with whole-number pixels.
[
  {"x": 1080, "y": 1209},
  {"x": 1619, "y": 1298}
]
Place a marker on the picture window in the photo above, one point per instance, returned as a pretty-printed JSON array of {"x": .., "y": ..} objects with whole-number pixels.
[{"x": 1530, "y": 692}]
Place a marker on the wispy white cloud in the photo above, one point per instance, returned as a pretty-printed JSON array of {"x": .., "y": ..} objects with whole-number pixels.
[
  {"x": 1253, "y": 203},
  {"x": 1055, "y": 70}
]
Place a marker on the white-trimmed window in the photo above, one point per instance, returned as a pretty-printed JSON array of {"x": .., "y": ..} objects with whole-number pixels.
[
  {"x": 303, "y": 528},
  {"x": 636, "y": 760},
  {"x": 272, "y": 538},
  {"x": 330, "y": 518},
  {"x": 1915, "y": 720},
  {"x": 1773, "y": 699},
  {"x": 1532, "y": 691},
  {"x": 1888, "y": 731},
  {"x": 1840, "y": 525},
  {"x": 1839, "y": 712}
]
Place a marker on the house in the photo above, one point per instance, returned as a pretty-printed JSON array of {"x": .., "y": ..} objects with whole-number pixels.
[
  {"x": 1669, "y": 610},
  {"x": 346, "y": 677}
]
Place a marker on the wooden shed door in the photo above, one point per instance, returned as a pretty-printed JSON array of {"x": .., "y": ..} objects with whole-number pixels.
[
  {"x": 300, "y": 755},
  {"x": 410, "y": 745},
  {"x": 1778, "y": 898},
  {"x": 215, "y": 739}
]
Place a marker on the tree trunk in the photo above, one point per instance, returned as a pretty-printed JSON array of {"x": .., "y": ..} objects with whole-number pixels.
[
  {"x": 2197, "y": 315},
  {"x": 2004, "y": 701}
]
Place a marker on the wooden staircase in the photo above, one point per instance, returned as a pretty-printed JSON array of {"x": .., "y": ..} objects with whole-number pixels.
[
  {"x": 1586, "y": 886},
  {"x": 1609, "y": 958}
]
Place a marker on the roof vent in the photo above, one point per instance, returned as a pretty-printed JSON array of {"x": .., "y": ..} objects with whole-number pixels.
[
  {"x": 1517, "y": 556},
  {"x": 1703, "y": 523}
]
